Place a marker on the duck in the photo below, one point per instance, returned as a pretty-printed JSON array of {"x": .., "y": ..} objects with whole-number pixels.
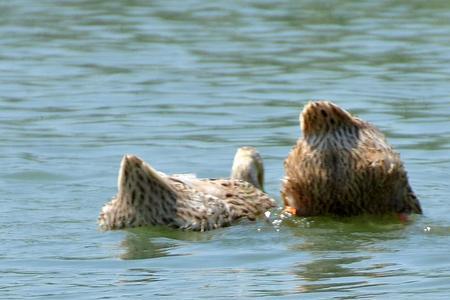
[
  {"x": 148, "y": 197},
  {"x": 344, "y": 166}
]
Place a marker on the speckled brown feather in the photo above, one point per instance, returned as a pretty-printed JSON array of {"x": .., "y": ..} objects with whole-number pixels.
[
  {"x": 148, "y": 197},
  {"x": 344, "y": 166}
]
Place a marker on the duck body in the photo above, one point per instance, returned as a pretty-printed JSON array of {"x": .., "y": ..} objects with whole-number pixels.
[
  {"x": 148, "y": 197},
  {"x": 344, "y": 166}
]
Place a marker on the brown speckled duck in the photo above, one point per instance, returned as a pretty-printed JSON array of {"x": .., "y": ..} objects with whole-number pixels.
[
  {"x": 148, "y": 197},
  {"x": 344, "y": 166}
]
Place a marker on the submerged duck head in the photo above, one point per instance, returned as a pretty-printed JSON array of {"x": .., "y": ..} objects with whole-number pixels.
[{"x": 248, "y": 166}]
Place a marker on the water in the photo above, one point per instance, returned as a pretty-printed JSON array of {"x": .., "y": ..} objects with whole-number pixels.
[{"x": 183, "y": 84}]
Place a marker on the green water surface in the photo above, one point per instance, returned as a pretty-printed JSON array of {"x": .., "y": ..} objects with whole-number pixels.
[{"x": 183, "y": 84}]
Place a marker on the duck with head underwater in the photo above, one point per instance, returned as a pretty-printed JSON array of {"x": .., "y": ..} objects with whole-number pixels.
[
  {"x": 343, "y": 166},
  {"x": 148, "y": 197}
]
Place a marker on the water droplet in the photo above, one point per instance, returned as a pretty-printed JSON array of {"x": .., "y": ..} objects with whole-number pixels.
[{"x": 276, "y": 222}]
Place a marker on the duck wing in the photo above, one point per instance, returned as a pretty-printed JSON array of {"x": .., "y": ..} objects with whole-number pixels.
[{"x": 240, "y": 198}]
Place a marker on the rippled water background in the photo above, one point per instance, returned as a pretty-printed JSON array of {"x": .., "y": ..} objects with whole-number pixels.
[{"x": 182, "y": 84}]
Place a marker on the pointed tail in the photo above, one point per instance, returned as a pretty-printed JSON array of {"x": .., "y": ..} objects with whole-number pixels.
[
  {"x": 137, "y": 176},
  {"x": 323, "y": 116},
  {"x": 145, "y": 197}
]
